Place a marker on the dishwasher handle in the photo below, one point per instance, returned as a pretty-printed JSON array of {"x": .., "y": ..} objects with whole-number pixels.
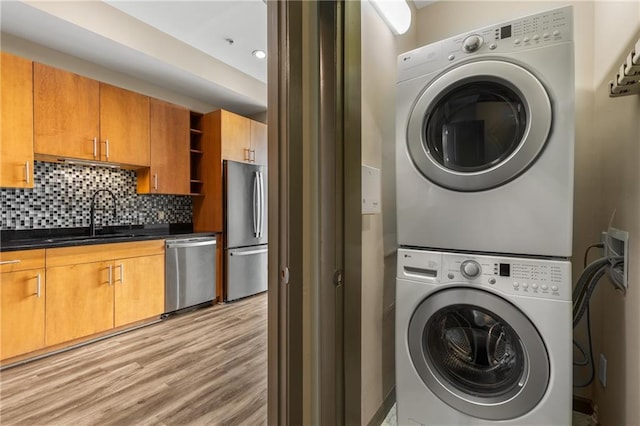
[{"x": 190, "y": 243}]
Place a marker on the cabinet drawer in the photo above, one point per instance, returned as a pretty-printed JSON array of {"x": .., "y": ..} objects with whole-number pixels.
[
  {"x": 101, "y": 252},
  {"x": 14, "y": 261}
]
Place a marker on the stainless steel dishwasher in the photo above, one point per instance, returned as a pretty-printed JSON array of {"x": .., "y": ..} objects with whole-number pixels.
[{"x": 190, "y": 272}]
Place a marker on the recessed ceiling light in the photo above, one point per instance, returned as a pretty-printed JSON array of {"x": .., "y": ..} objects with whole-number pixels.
[{"x": 260, "y": 54}]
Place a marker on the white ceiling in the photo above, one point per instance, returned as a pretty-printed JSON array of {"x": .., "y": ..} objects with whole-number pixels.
[{"x": 179, "y": 45}]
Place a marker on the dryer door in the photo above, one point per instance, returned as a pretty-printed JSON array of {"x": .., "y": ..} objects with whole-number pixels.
[
  {"x": 478, "y": 353},
  {"x": 479, "y": 125}
]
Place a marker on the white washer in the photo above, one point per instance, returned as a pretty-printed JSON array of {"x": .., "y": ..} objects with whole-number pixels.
[
  {"x": 483, "y": 340},
  {"x": 485, "y": 137}
]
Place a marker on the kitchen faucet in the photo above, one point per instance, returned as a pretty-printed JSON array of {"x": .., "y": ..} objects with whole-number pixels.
[{"x": 92, "y": 224}]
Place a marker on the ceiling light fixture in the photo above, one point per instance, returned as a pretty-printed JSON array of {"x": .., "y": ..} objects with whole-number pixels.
[
  {"x": 396, "y": 13},
  {"x": 260, "y": 54}
]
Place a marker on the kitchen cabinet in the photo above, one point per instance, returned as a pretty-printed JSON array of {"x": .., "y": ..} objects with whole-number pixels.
[
  {"x": 80, "y": 118},
  {"x": 169, "y": 171},
  {"x": 259, "y": 142},
  {"x": 241, "y": 138},
  {"x": 22, "y": 299},
  {"x": 16, "y": 114},
  {"x": 124, "y": 126},
  {"x": 225, "y": 136},
  {"x": 92, "y": 289},
  {"x": 196, "y": 152},
  {"x": 138, "y": 294}
]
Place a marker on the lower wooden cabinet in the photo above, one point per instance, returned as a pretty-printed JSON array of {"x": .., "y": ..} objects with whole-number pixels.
[
  {"x": 22, "y": 302},
  {"x": 92, "y": 289},
  {"x": 79, "y": 301},
  {"x": 138, "y": 294},
  {"x": 23, "y": 295}
]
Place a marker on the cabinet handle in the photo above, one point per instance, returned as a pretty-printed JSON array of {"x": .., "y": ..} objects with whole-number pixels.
[
  {"x": 247, "y": 154},
  {"x": 27, "y": 172},
  {"x": 252, "y": 155},
  {"x": 38, "y": 282},
  {"x": 95, "y": 147},
  {"x": 121, "y": 266},
  {"x": 110, "y": 274},
  {"x": 155, "y": 181},
  {"x": 106, "y": 146},
  {"x": 10, "y": 262}
]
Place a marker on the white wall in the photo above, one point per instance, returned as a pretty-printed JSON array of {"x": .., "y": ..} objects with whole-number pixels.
[
  {"x": 379, "y": 53},
  {"x": 617, "y": 132}
]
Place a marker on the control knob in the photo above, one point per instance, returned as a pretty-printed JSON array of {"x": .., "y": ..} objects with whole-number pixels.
[
  {"x": 472, "y": 43},
  {"x": 470, "y": 269}
]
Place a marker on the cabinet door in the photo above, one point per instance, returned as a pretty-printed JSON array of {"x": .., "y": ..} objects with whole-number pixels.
[
  {"x": 22, "y": 297},
  {"x": 235, "y": 135},
  {"x": 79, "y": 301},
  {"x": 66, "y": 113},
  {"x": 139, "y": 289},
  {"x": 124, "y": 126},
  {"x": 170, "y": 167},
  {"x": 259, "y": 142},
  {"x": 16, "y": 112}
]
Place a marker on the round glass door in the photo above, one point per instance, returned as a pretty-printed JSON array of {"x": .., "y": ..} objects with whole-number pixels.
[
  {"x": 478, "y": 353},
  {"x": 479, "y": 125}
]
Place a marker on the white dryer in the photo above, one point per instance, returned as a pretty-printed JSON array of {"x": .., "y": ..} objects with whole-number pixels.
[
  {"x": 482, "y": 340},
  {"x": 485, "y": 137}
]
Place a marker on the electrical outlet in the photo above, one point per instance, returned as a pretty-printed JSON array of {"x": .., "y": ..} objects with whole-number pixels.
[
  {"x": 160, "y": 215},
  {"x": 602, "y": 371}
]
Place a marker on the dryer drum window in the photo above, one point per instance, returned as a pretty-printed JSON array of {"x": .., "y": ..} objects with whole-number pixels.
[
  {"x": 475, "y": 126},
  {"x": 478, "y": 353},
  {"x": 479, "y": 125}
]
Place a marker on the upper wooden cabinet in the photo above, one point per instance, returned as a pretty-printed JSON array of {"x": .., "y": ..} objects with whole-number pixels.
[
  {"x": 16, "y": 103},
  {"x": 77, "y": 117},
  {"x": 170, "y": 169},
  {"x": 259, "y": 142},
  {"x": 241, "y": 139},
  {"x": 66, "y": 113},
  {"x": 124, "y": 126}
]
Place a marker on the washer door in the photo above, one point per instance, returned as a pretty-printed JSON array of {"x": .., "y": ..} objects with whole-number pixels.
[
  {"x": 479, "y": 125},
  {"x": 478, "y": 353}
]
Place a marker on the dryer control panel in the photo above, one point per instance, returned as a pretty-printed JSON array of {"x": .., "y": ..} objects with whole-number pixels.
[
  {"x": 531, "y": 32},
  {"x": 510, "y": 275}
]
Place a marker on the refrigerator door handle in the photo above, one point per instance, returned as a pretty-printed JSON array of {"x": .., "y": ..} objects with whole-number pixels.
[
  {"x": 256, "y": 202},
  {"x": 261, "y": 186},
  {"x": 248, "y": 253}
]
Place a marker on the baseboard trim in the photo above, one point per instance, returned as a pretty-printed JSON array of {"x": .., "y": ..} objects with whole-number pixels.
[{"x": 383, "y": 410}]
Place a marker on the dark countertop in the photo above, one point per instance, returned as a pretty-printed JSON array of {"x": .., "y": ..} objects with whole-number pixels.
[{"x": 69, "y": 237}]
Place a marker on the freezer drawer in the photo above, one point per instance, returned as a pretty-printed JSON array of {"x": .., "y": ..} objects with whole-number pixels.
[
  {"x": 190, "y": 268},
  {"x": 246, "y": 271}
]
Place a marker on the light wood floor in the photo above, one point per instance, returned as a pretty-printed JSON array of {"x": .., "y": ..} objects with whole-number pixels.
[{"x": 203, "y": 367}]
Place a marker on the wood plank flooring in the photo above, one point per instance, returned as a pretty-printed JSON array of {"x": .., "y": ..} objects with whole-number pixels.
[{"x": 204, "y": 367}]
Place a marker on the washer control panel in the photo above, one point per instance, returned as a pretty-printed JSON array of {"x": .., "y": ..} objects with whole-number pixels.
[{"x": 511, "y": 275}]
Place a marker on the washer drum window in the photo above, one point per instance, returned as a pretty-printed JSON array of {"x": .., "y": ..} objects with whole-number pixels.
[
  {"x": 479, "y": 125},
  {"x": 478, "y": 353}
]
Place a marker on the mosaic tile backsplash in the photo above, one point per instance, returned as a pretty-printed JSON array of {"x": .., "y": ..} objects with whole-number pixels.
[{"x": 61, "y": 198}]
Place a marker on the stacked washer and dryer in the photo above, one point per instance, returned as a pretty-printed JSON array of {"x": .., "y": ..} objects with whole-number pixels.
[{"x": 485, "y": 136}]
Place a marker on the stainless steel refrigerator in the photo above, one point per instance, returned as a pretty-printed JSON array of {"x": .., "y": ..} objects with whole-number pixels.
[{"x": 245, "y": 229}]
